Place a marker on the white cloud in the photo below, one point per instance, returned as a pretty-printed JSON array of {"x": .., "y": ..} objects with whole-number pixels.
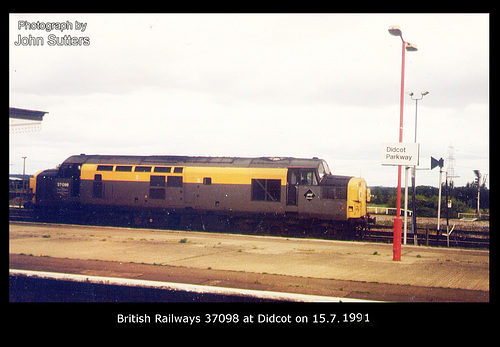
[{"x": 244, "y": 84}]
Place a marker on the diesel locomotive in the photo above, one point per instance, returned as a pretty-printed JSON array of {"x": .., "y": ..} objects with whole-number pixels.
[{"x": 150, "y": 189}]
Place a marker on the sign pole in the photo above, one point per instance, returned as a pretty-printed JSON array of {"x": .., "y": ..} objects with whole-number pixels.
[
  {"x": 406, "y": 205},
  {"x": 400, "y": 154},
  {"x": 398, "y": 222}
]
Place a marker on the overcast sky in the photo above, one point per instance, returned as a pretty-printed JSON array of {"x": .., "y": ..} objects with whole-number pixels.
[{"x": 301, "y": 85}]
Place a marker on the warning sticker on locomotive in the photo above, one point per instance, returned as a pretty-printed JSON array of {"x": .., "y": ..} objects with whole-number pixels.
[{"x": 309, "y": 195}]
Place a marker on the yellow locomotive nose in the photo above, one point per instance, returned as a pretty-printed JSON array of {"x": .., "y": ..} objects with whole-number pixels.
[{"x": 357, "y": 197}]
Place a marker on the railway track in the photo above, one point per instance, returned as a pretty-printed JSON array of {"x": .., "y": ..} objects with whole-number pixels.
[
  {"x": 429, "y": 237},
  {"x": 377, "y": 233},
  {"x": 18, "y": 214}
]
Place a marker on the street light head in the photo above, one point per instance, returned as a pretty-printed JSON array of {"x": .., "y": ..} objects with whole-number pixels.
[
  {"x": 411, "y": 47},
  {"x": 424, "y": 93},
  {"x": 395, "y": 30},
  {"x": 409, "y": 93}
]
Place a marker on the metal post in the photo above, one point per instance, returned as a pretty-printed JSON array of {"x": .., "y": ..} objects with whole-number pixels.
[
  {"x": 406, "y": 205},
  {"x": 23, "y": 189},
  {"x": 414, "y": 207},
  {"x": 396, "y": 244},
  {"x": 439, "y": 205},
  {"x": 478, "y": 176},
  {"x": 478, "y": 196},
  {"x": 413, "y": 177}
]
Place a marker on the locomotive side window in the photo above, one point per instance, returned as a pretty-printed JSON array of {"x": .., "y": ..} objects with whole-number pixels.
[
  {"x": 124, "y": 168},
  {"x": 157, "y": 187},
  {"x": 157, "y": 181},
  {"x": 266, "y": 190},
  {"x": 174, "y": 181},
  {"x": 334, "y": 193},
  {"x": 328, "y": 193},
  {"x": 178, "y": 170},
  {"x": 142, "y": 169},
  {"x": 104, "y": 167},
  {"x": 207, "y": 181},
  {"x": 162, "y": 169}
]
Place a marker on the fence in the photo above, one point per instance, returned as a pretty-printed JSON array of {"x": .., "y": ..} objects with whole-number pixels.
[
  {"x": 386, "y": 210},
  {"x": 473, "y": 216}
]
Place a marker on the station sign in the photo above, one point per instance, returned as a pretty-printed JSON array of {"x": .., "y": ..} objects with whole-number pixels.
[{"x": 405, "y": 154}]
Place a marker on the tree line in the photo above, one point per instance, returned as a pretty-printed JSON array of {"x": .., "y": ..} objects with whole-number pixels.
[{"x": 463, "y": 199}]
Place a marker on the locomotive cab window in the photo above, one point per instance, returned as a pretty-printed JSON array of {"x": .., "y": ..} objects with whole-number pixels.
[
  {"x": 302, "y": 177},
  {"x": 308, "y": 177},
  {"x": 323, "y": 169},
  {"x": 69, "y": 171}
]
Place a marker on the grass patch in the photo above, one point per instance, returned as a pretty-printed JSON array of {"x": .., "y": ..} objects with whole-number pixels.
[{"x": 185, "y": 240}]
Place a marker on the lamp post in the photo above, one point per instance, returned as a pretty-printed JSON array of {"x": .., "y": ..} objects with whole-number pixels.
[
  {"x": 22, "y": 190},
  {"x": 413, "y": 199},
  {"x": 398, "y": 222}
]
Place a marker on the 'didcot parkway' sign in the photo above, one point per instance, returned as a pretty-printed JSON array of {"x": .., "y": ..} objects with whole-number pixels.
[{"x": 400, "y": 154}]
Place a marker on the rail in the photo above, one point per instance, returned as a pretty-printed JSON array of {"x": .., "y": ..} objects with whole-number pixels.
[{"x": 427, "y": 236}]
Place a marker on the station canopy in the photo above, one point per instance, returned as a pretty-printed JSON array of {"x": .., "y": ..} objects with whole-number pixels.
[{"x": 22, "y": 120}]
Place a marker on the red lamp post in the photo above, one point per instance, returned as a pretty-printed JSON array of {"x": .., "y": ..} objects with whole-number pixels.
[{"x": 398, "y": 221}]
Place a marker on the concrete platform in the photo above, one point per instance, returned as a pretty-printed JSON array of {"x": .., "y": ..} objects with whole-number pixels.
[
  {"x": 368, "y": 263},
  {"x": 198, "y": 291}
]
